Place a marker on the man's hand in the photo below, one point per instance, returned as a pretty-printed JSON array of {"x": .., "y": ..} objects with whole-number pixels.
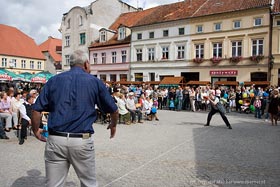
[
  {"x": 113, "y": 130},
  {"x": 38, "y": 135},
  {"x": 35, "y": 122}
]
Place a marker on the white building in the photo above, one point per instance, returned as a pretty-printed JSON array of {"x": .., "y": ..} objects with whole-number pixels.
[{"x": 80, "y": 26}]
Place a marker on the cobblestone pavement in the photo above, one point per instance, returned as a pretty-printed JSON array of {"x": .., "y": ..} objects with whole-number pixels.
[{"x": 177, "y": 151}]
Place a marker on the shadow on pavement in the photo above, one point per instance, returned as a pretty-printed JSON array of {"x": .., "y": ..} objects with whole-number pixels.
[{"x": 34, "y": 179}]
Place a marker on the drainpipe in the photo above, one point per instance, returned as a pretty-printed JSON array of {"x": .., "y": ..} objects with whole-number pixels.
[{"x": 270, "y": 56}]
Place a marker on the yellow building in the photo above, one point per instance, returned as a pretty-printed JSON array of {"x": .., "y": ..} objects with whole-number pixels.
[
  {"x": 275, "y": 72},
  {"x": 18, "y": 52},
  {"x": 234, "y": 45}
]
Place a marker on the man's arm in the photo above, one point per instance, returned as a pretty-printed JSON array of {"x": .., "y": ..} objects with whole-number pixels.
[
  {"x": 35, "y": 122},
  {"x": 113, "y": 124}
]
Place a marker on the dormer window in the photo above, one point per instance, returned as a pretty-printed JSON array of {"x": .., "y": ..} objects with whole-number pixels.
[
  {"x": 121, "y": 33},
  {"x": 103, "y": 36}
]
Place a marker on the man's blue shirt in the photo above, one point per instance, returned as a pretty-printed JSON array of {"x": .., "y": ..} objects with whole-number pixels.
[{"x": 70, "y": 98}]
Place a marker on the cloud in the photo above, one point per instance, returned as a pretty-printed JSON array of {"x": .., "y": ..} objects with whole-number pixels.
[{"x": 40, "y": 19}]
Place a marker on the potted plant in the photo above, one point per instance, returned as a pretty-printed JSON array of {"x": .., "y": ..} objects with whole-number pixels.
[
  {"x": 215, "y": 60},
  {"x": 235, "y": 59},
  {"x": 198, "y": 60},
  {"x": 256, "y": 58}
]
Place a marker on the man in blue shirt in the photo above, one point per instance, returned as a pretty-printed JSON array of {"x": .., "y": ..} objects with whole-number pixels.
[{"x": 70, "y": 98}]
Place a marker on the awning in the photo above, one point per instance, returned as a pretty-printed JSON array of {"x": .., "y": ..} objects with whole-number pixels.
[
  {"x": 152, "y": 82},
  {"x": 263, "y": 83},
  {"x": 227, "y": 83},
  {"x": 128, "y": 82},
  {"x": 198, "y": 83},
  {"x": 172, "y": 80}
]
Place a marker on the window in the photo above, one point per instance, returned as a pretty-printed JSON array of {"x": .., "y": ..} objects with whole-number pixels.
[
  {"x": 80, "y": 20},
  {"x": 165, "y": 33},
  {"x": 258, "y": 22},
  {"x": 165, "y": 53},
  {"x": 217, "y": 50},
  {"x": 103, "y": 36},
  {"x": 113, "y": 77},
  {"x": 237, "y": 24},
  {"x": 103, "y": 77},
  {"x": 4, "y": 62},
  {"x": 199, "y": 50},
  {"x": 199, "y": 29},
  {"x": 181, "y": 52},
  {"x": 95, "y": 58},
  {"x": 23, "y": 64},
  {"x": 67, "y": 60},
  {"x": 139, "y": 36},
  {"x": 39, "y": 65},
  {"x": 13, "y": 63},
  {"x": 82, "y": 38},
  {"x": 236, "y": 48},
  {"x": 218, "y": 26},
  {"x": 68, "y": 23},
  {"x": 278, "y": 22},
  {"x": 257, "y": 47},
  {"x": 181, "y": 31},
  {"x": 123, "y": 56},
  {"x": 138, "y": 76},
  {"x": 151, "y": 34},
  {"x": 31, "y": 64},
  {"x": 114, "y": 57},
  {"x": 103, "y": 58},
  {"x": 121, "y": 33},
  {"x": 139, "y": 54},
  {"x": 123, "y": 77},
  {"x": 67, "y": 41},
  {"x": 151, "y": 54}
]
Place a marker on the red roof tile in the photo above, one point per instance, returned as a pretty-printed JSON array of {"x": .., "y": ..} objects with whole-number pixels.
[
  {"x": 16, "y": 43},
  {"x": 127, "y": 20},
  {"x": 276, "y": 8},
  {"x": 196, "y": 8},
  {"x": 50, "y": 46},
  {"x": 222, "y": 6}
]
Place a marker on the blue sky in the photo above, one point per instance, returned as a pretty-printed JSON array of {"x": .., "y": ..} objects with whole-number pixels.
[{"x": 41, "y": 18}]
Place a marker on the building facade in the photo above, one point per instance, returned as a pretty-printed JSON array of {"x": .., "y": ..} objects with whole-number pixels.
[
  {"x": 51, "y": 49},
  {"x": 18, "y": 52},
  {"x": 229, "y": 41},
  {"x": 80, "y": 26}
]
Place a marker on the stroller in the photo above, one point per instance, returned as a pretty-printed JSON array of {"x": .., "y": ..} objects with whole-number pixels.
[{"x": 246, "y": 107}]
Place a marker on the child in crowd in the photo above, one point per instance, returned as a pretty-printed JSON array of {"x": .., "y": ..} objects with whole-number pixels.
[
  {"x": 171, "y": 104},
  {"x": 257, "y": 105}
]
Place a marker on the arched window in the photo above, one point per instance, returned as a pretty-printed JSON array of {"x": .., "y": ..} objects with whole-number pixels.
[
  {"x": 68, "y": 24},
  {"x": 80, "y": 20}
]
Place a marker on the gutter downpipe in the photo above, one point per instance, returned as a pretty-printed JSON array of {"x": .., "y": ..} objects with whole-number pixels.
[{"x": 270, "y": 57}]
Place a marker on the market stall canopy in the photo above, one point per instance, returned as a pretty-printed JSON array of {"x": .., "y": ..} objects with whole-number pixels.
[
  {"x": 128, "y": 82},
  {"x": 226, "y": 83},
  {"x": 198, "y": 83},
  {"x": 6, "y": 75},
  {"x": 26, "y": 76},
  {"x": 172, "y": 82},
  {"x": 152, "y": 82},
  {"x": 41, "y": 77},
  {"x": 258, "y": 83}
]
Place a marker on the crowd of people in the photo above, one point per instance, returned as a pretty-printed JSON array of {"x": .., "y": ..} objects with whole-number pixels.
[
  {"x": 15, "y": 111},
  {"x": 137, "y": 103},
  {"x": 134, "y": 100}
]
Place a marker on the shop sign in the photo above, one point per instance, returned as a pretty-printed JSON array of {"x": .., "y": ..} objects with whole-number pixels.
[
  {"x": 5, "y": 77},
  {"x": 223, "y": 72}
]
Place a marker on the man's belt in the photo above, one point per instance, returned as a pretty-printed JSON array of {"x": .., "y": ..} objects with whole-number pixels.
[{"x": 72, "y": 135}]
